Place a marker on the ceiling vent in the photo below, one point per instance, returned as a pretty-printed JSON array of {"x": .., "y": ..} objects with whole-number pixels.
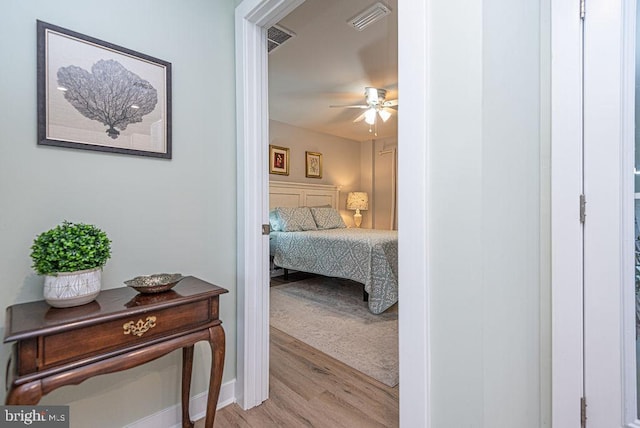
[
  {"x": 277, "y": 35},
  {"x": 369, "y": 16}
]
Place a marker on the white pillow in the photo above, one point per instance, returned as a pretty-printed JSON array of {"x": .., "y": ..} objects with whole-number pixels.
[
  {"x": 327, "y": 218},
  {"x": 296, "y": 219}
]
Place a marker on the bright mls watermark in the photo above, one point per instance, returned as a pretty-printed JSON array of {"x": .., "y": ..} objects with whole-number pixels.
[{"x": 35, "y": 416}]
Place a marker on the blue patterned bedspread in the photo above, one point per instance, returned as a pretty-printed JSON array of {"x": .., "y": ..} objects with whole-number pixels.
[{"x": 362, "y": 255}]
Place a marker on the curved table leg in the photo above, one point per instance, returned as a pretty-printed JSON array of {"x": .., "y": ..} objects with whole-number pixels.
[
  {"x": 217, "y": 342},
  {"x": 31, "y": 393},
  {"x": 28, "y": 394},
  {"x": 187, "y": 366}
]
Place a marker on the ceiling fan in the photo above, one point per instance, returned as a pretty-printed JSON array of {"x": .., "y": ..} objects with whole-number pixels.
[{"x": 376, "y": 105}]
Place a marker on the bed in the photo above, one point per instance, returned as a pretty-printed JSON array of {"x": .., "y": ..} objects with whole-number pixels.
[{"x": 309, "y": 235}]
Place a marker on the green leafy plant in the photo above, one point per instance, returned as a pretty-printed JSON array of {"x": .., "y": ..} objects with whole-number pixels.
[{"x": 70, "y": 247}]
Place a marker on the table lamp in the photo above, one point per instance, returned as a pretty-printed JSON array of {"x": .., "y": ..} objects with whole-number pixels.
[{"x": 357, "y": 201}]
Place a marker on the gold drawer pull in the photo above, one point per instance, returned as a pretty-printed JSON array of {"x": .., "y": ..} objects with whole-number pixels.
[{"x": 139, "y": 328}]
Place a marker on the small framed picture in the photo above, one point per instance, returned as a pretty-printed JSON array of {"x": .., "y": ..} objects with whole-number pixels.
[
  {"x": 278, "y": 160},
  {"x": 313, "y": 163}
]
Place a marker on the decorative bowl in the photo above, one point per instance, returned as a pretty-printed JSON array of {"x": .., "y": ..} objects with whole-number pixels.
[{"x": 156, "y": 283}]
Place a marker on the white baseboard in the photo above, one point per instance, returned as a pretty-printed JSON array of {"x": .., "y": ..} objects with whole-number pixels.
[{"x": 171, "y": 417}]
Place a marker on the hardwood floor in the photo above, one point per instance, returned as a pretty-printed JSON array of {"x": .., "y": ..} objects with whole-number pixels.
[{"x": 311, "y": 389}]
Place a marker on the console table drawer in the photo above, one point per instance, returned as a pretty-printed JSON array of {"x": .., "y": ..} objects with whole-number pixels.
[
  {"x": 55, "y": 347},
  {"x": 122, "y": 332}
]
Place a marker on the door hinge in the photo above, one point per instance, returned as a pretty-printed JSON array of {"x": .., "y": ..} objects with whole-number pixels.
[
  {"x": 582, "y": 9},
  {"x": 583, "y": 208},
  {"x": 583, "y": 412},
  {"x": 266, "y": 229}
]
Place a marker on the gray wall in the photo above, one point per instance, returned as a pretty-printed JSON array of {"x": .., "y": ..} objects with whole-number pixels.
[
  {"x": 340, "y": 159},
  {"x": 347, "y": 163},
  {"x": 162, "y": 215}
]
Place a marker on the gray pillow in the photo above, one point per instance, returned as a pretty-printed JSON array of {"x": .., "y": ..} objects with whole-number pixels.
[
  {"x": 296, "y": 219},
  {"x": 274, "y": 221},
  {"x": 327, "y": 218}
]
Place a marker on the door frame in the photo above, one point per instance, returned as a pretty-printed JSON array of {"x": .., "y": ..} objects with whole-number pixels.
[
  {"x": 609, "y": 73},
  {"x": 566, "y": 231},
  {"x": 629, "y": 51},
  {"x": 604, "y": 227},
  {"x": 252, "y": 17},
  {"x": 608, "y": 106}
]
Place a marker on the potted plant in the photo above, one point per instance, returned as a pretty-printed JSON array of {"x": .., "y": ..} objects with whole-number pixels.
[{"x": 71, "y": 257}]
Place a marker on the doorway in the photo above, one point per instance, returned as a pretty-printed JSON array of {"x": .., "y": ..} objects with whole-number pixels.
[
  {"x": 252, "y": 18},
  {"x": 314, "y": 107}
]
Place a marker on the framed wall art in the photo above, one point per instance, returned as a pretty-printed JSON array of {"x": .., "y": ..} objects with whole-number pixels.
[
  {"x": 278, "y": 160},
  {"x": 313, "y": 164},
  {"x": 94, "y": 95}
]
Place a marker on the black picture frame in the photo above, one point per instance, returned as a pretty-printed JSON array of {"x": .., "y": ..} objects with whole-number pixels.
[{"x": 94, "y": 95}]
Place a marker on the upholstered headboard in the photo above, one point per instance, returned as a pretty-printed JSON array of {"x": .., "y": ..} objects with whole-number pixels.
[{"x": 288, "y": 194}]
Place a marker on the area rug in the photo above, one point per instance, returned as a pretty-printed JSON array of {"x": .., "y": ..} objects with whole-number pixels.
[{"x": 330, "y": 315}]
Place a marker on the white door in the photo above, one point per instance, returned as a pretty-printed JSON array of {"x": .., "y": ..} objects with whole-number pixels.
[
  {"x": 384, "y": 189},
  {"x": 609, "y": 384}
]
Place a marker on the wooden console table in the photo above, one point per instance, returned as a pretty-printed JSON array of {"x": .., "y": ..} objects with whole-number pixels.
[{"x": 121, "y": 329}]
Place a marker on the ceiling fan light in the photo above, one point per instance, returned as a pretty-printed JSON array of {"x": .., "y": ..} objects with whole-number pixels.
[
  {"x": 371, "y": 95},
  {"x": 370, "y": 116},
  {"x": 385, "y": 115}
]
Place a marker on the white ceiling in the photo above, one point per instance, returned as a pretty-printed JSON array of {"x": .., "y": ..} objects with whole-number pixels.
[{"x": 328, "y": 62}]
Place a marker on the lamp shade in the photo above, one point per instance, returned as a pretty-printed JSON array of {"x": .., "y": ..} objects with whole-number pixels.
[
  {"x": 370, "y": 116},
  {"x": 384, "y": 114},
  {"x": 358, "y": 201}
]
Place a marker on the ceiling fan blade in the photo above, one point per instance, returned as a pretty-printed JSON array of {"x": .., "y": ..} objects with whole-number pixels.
[
  {"x": 390, "y": 103},
  {"x": 359, "y": 118},
  {"x": 351, "y": 106}
]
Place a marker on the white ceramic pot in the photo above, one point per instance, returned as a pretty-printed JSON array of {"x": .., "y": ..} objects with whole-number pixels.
[{"x": 67, "y": 289}]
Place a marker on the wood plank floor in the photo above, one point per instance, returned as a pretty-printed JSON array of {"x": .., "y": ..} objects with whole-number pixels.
[{"x": 310, "y": 389}]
